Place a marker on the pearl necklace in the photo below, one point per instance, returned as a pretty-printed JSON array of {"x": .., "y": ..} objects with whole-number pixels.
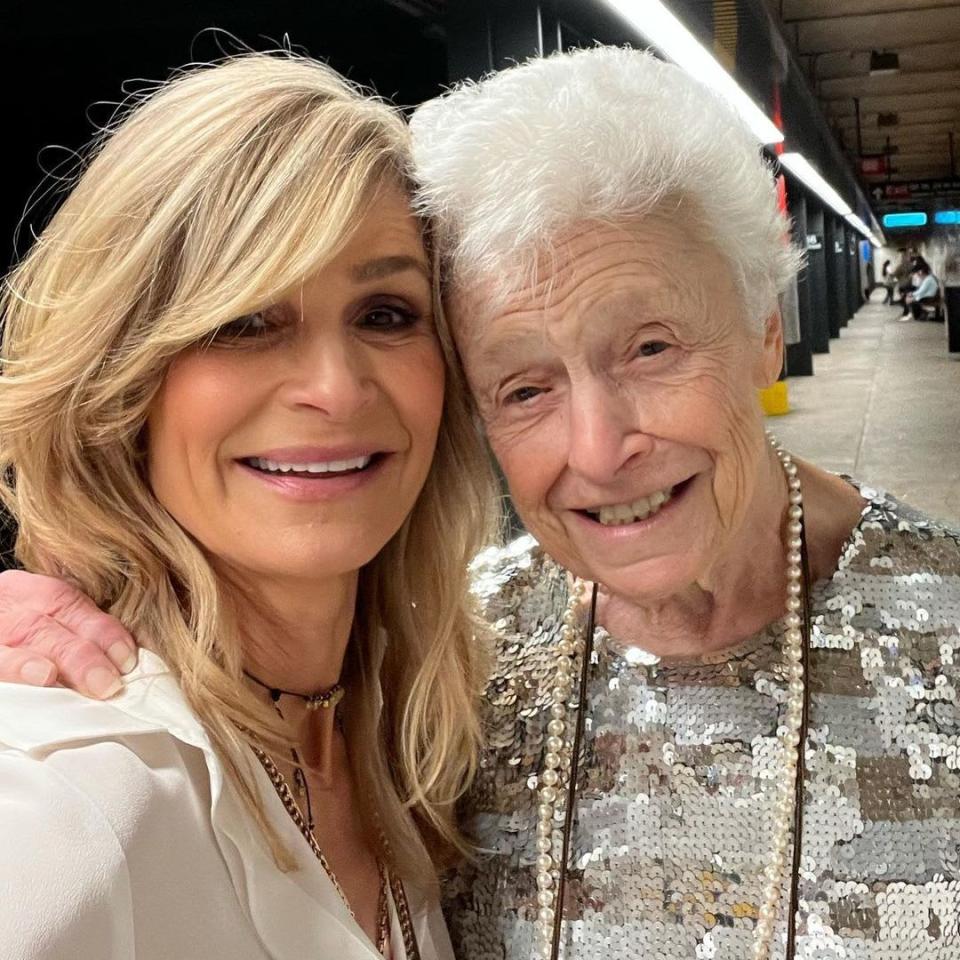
[
  {"x": 557, "y": 761},
  {"x": 558, "y": 758}
]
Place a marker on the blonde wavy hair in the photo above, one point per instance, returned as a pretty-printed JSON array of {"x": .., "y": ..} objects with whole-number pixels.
[{"x": 210, "y": 197}]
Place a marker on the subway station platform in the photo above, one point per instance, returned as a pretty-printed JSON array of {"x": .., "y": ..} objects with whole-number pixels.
[{"x": 884, "y": 407}]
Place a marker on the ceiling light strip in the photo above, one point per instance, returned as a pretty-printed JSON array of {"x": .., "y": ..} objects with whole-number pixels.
[
  {"x": 802, "y": 169},
  {"x": 655, "y": 22}
]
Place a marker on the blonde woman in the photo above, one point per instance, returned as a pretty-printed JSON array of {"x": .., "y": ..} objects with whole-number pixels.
[{"x": 223, "y": 417}]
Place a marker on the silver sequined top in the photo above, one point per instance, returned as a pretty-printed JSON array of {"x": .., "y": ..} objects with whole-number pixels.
[{"x": 674, "y": 816}]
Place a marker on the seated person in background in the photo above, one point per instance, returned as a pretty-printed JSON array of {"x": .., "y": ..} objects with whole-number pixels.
[
  {"x": 926, "y": 293},
  {"x": 903, "y": 277}
]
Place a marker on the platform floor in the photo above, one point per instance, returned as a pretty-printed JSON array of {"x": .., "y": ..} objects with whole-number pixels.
[{"x": 883, "y": 406}]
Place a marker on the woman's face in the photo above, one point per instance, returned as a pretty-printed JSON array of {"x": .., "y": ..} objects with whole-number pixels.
[
  {"x": 619, "y": 395},
  {"x": 294, "y": 445}
]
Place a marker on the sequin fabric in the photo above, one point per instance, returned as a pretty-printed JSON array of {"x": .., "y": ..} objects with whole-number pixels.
[{"x": 674, "y": 817}]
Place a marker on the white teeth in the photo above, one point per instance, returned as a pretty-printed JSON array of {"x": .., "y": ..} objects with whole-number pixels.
[
  {"x": 329, "y": 466},
  {"x": 618, "y": 514}
]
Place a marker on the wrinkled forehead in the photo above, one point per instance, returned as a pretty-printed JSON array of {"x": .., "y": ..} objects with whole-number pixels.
[{"x": 665, "y": 264}]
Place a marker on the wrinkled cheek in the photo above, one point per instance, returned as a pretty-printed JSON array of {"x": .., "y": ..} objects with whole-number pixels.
[
  {"x": 522, "y": 466},
  {"x": 735, "y": 469}
]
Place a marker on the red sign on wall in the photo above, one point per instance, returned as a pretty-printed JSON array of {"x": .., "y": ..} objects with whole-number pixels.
[{"x": 877, "y": 164}]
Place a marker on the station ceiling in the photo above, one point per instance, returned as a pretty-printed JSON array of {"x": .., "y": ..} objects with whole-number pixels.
[{"x": 913, "y": 110}]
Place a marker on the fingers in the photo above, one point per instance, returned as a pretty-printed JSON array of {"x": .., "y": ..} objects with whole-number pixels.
[
  {"x": 25, "y": 596},
  {"x": 79, "y": 663},
  {"x": 79, "y": 614},
  {"x": 24, "y": 666}
]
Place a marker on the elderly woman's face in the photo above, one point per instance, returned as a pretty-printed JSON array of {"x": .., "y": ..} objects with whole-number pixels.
[
  {"x": 619, "y": 395},
  {"x": 294, "y": 445}
]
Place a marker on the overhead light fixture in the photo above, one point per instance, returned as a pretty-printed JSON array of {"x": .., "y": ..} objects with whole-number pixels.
[
  {"x": 909, "y": 218},
  {"x": 882, "y": 62},
  {"x": 655, "y": 22},
  {"x": 801, "y": 168},
  {"x": 863, "y": 229}
]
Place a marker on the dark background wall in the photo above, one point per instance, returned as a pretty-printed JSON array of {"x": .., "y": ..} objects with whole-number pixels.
[{"x": 57, "y": 60}]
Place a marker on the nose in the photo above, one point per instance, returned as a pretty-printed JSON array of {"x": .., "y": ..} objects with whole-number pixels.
[
  {"x": 333, "y": 376},
  {"x": 604, "y": 433}
]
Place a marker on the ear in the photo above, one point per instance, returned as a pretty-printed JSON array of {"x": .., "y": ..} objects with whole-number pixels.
[{"x": 770, "y": 360}]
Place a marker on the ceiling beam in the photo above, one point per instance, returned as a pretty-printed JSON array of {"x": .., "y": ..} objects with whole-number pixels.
[
  {"x": 909, "y": 150},
  {"x": 939, "y": 151},
  {"x": 919, "y": 149},
  {"x": 794, "y": 10},
  {"x": 875, "y": 31},
  {"x": 902, "y": 104},
  {"x": 868, "y": 121},
  {"x": 921, "y": 58},
  {"x": 889, "y": 85},
  {"x": 936, "y": 133}
]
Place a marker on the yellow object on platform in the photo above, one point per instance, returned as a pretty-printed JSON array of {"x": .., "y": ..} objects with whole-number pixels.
[{"x": 774, "y": 400}]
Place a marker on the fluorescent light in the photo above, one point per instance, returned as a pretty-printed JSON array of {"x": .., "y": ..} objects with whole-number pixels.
[
  {"x": 800, "y": 167},
  {"x": 947, "y": 217},
  {"x": 877, "y": 230},
  {"x": 862, "y": 228},
  {"x": 911, "y": 218},
  {"x": 652, "y": 19}
]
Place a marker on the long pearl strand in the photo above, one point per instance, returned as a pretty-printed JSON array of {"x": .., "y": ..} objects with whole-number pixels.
[
  {"x": 559, "y": 746},
  {"x": 789, "y": 733},
  {"x": 556, "y": 766}
]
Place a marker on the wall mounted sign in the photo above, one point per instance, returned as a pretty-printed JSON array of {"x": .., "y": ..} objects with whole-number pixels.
[
  {"x": 873, "y": 164},
  {"x": 905, "y": 189}
]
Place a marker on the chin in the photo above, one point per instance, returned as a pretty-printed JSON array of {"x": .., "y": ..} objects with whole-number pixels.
[
  {"x": 306, "y": 563},
  {"x": 647, "y": 581}
]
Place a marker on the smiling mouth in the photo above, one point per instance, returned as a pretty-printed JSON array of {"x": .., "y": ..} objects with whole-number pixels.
[
  {"x": 314, "y": 469},
  {"x": 621, "y": 514}
]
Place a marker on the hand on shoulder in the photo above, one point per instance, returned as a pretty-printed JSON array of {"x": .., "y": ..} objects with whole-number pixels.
[{"x": 52, "y": 633}]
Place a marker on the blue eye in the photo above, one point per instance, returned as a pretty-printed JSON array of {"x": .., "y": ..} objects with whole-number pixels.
[
  {"x": 523, "y": 394},
  {"x": 652, "y": 348}
]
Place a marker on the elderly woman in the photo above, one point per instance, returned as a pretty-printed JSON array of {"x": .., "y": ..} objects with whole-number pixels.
[{"x": 747, "y": 744}]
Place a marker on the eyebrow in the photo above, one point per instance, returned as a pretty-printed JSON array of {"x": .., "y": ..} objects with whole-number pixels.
[
  {"x": 385, "y": 266},
  {"x": 500, "y": 348}
]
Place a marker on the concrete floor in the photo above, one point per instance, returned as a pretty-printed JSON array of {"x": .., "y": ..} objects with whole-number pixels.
[{"x": 883, "y": 406}]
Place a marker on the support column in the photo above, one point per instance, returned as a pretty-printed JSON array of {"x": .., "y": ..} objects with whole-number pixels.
[
  {"x": 835, "y": 250},
  {"x": 816, "y": 277},
  {"x": 800, "y": 355}
]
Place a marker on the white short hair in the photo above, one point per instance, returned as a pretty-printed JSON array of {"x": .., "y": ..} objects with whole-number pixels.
[{"x": 605, "y": 134}]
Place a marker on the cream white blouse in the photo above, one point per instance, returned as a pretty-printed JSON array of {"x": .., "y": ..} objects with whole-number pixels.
[{"x": 120, "y": 839}]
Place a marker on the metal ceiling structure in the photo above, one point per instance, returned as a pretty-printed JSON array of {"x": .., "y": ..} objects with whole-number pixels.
[{"x": 900, "y": 125}]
